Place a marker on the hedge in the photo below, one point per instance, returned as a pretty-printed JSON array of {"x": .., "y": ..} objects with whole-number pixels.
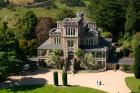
[
  {"x": 55, "y": 78},
  {"x": 64, "y": 78}
]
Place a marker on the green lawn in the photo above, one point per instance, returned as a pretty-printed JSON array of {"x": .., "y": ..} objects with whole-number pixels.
[
  {"x": 133, "y": 84},
  {"x": 49, "y": 89}
]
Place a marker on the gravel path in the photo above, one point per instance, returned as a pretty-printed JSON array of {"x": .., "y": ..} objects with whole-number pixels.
[{"x": 112, "y": 82}]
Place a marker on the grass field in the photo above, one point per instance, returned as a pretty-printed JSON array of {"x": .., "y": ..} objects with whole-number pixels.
[
  {"x": 49, "y": 89},
  {"x": 133, "y": 84}
]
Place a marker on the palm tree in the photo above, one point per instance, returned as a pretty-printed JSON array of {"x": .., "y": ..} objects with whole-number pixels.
[
  {"x": 54, "y": 58},
  {"x": 79, "y": 55},
  {"x": 88, "y": 62}
]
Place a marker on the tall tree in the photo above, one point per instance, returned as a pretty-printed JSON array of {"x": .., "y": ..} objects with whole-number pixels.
[
  {"x": 26, "y": 25},
  {"x": 25, "y": 31},
  {"x": 137, "y": 60},
  {"x": 54, "y": 59},
  {"x": 2, "y": 3},
  {"x": 130, "y": 18},
  {"x": 108, "y": 14},
  {"x": 9, "y": 52},
  {"x": 79, "y": 54},
  {"x": 88, "y": 62}
]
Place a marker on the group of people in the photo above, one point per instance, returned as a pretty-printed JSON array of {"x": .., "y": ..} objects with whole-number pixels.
[{"x": 98, "y": 82}]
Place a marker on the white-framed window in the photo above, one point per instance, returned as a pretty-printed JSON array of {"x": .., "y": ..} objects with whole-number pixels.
[
  {"x": 70, "y": 31},
  {"x": 70, "y": 43},
  {"x": 57, "y": 40}
]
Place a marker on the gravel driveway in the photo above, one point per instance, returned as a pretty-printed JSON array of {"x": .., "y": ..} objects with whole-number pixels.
[{"x": 112, "y": 82}]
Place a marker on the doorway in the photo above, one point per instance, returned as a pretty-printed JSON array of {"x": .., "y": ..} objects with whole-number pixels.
[{"x": 117, "y": 67}]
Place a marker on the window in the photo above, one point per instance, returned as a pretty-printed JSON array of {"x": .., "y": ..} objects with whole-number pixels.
[
  {"x": 66, "y": 31},
  {"x": 99, "y": 55},
  {"x": 89, "y": 41},
  {"x": 104, "y": 54},
  {"x": 57, "y": 40},
  {"x": 73, "y": 31},
  {"x": 70, "y": 43},
  {"x": 70, "y": 31}
]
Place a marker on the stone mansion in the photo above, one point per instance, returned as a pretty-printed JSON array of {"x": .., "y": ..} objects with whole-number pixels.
[{"x": 74, "y": 33}]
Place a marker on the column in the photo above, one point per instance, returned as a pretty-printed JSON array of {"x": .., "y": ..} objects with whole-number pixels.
[
  {"x": 102, "y": 54},
  {"x": 95, "y": 54},
  {"x": 105, "y": 65}
]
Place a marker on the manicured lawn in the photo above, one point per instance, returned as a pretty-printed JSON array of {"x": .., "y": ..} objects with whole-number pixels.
[
  {"x": 133, "y": 84},
  {"x": 49, "y": 89}
]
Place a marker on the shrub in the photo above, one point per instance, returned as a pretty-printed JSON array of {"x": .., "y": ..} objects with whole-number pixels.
[
  {"x": 55, "y": 78},
  {"x": 3, "y": 77},
  {"x": 137, "y": 61},
  {"x": 64, "y": 78},
  {"x": 126, "y": 68},
  {"x": 132, "y": 68}
]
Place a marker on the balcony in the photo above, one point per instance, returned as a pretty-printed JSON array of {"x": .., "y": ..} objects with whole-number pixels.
[{"x": 100, "y": 59}]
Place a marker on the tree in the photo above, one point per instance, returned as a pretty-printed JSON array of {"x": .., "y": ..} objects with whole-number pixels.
[
  {"x": 9, "y": 56},
  {"x": 44, "y": 25},
  {"x": 25, "y": 31},
  {"x": 108, "y": 14},
  {"x": 66, "y": 13},
  {"x": 134, "y": 41},
  {"x": 130, "y": 18},
  {"x": 2, "y": 3},
  {"x": 72, "y": 3},
  {"x": 26, "y": 26},
  {"x": 54, "y": 58},
  {"x": 79, "y": 54},
  {"x": 88, "y": 62},
  {"x": 137, "y": 60}
]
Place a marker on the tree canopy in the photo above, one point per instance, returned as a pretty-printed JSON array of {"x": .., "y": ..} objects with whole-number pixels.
[
  {"x": 9, "y": 52},
  {"x": 66, "y": 13}
]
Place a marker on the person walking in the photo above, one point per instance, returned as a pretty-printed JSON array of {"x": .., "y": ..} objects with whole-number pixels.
[
  {"x": 100, "y": 83},
  {"x": 97, "y": 82}
]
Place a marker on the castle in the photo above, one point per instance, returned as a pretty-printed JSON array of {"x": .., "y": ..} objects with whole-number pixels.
[{"x": 74, "y": 33}]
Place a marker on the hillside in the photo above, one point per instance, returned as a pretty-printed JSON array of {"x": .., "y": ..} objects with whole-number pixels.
[
  {"x": 13, "y": 13},
  {"x": 21, "y": 2}
]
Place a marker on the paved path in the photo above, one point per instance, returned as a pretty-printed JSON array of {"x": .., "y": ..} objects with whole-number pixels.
[{"x": 112, "y": 82}]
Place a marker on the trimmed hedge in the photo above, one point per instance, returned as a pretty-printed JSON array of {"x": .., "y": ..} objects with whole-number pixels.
[
  {"x": 64, "y": 78},
  {"x": 55, "y": 78},
  {"x": 137, "y": 62}
]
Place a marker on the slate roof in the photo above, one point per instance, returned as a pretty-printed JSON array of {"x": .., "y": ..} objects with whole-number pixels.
[
  {"x": 122, "y": 61},
  {"x": 126, "y": 60},
  {"x": 48, "y": 45}
]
